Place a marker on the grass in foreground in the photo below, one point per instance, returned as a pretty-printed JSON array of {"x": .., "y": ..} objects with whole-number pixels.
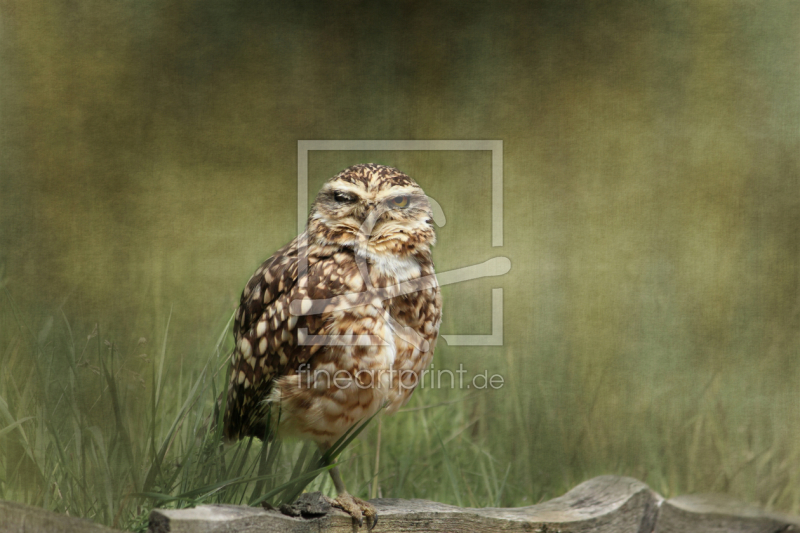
[
  {"x": 93, "y": 427},
  {"x": 90, "y": 431}
]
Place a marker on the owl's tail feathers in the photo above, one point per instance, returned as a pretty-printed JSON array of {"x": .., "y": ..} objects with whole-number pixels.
[
  {"x": 233, "y": 427},
  {"x": 238, "y": 426},
  {"x": 239, "y": 423}
]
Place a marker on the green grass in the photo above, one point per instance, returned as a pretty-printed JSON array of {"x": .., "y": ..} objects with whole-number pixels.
[
  {"x": 108, "y": 427},
  {"x": 94, "y": 428},
  {"x": 94, "y": 431}
]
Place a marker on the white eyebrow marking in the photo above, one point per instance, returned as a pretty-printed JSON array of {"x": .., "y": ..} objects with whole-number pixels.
[
  {"x": 408, "y": 190},
  {"x": 345, "y": 187}
]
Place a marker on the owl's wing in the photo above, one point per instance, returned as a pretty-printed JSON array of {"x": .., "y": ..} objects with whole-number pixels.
[{"x": 265, "y": 331}]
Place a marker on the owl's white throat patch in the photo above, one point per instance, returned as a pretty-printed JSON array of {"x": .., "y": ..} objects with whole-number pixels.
[{"x": 400, "y": 268}]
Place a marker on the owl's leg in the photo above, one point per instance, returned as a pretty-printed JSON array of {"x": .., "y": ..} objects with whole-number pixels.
[{"x": 355, "y": 507}]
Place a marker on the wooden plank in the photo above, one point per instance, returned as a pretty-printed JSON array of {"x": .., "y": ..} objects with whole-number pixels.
[
  {"x": 604, "y": 504},
  {"x": 21, "y": 518},
  {"x": 715, "y": 513}
]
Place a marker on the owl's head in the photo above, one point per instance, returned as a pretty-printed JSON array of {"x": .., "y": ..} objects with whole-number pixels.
[{"x": 374, "y": 208}]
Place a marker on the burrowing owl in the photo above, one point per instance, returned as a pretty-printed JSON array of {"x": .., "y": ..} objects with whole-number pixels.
[{"x": 340, "y": 321}]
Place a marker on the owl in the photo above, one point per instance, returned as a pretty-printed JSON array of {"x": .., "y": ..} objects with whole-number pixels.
[{"x": 341, "y": 321}]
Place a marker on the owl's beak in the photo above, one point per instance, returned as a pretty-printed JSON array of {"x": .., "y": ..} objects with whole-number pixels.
[{"x": 370, "y": 218}]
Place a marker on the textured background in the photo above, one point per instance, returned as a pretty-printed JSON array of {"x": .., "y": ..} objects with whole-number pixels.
[{"x": 148, "y": 162}]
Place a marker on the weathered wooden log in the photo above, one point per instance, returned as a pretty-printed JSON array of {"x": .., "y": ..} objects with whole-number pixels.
[
  {"x": 20, "y": 518},
  {"x": 604, "y": 504},
  {"x": 715, "y": 513}
]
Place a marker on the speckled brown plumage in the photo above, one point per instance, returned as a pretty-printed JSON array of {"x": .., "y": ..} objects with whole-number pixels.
[{"x": 370, "y": 281}]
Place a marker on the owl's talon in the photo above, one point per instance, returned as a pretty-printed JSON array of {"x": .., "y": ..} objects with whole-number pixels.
[{"x": 358, "y": 509}]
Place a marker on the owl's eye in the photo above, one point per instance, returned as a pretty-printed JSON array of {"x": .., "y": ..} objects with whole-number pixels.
[
  {"x": 399, "y": 201},
  {"x": 343, "y": 198}
]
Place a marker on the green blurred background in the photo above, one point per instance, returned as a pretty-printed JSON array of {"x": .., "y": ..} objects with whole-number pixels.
[{"x": 148, "y": 158}]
